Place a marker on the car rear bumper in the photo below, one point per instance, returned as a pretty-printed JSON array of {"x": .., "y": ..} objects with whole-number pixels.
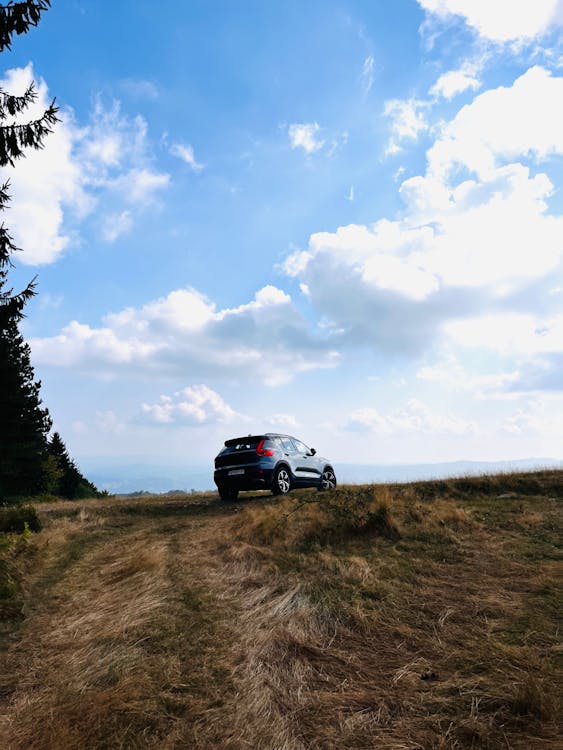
[{"x": 251, "y": 478}]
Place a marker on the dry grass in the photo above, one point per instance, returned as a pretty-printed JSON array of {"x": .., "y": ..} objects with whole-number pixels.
[{"x": 398, "y": 617}]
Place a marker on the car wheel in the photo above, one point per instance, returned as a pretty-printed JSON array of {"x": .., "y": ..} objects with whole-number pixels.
[
  {"x": 328, "y": 480},
  {"x": 228, "y": 494},
  {"x": 282, "y": 481}
]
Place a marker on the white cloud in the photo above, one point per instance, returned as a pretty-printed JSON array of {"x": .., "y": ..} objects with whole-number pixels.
[
  {"x": 379, "y": 256},
  {"x": 140, "y": 88},
  {"x": 77, "y": 170},
  {"x": 503, "y": 123},
  {"x": 368, "y": 72},
  {"x": 455, "y": 82},
  {"x": 265, "y": 339},
  {"x": 464, "y": 247},
  {"x": 193, "y": 405},
  {"x": 185, "y": 152},
  {"x": 511, "y": 333},
  {"x": 395, "y": 284},
  {"x": 304, "y": 135},
  {"x": 408, "y": 121},
  {"x": 139, "y": 185},
  {"x": 283, "y": 421},
  {"x": 467, "y": 249},
  {"x": 108, "y": 421},
  {"x": 45, "y": 183},
  {"x": 499, "y": 20},
  {"x": 115, "y": 225},
  {"x": 541, "y": 417},
  {"x": 415, "y": 417},
  {"x": 449, "y": 373},
  {"x": 50, "y": 301}
]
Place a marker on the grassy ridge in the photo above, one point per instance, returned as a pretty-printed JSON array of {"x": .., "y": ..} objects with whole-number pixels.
[{"x": 422, "y": 615}]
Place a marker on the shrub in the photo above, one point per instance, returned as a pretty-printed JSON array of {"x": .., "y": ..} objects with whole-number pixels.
[
  {"x": 15, "y": 518},
  {"x": 363, "y": 510}
]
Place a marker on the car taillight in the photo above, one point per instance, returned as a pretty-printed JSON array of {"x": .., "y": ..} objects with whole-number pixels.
[{"x": 263, "y": 451}]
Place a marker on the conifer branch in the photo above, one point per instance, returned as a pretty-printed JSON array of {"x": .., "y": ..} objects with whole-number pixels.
[
  {"x": 16, "y": 18},
  {"x": 12, "y": 305},
  {"x": 15, "y": 138},
  {"x": 12, "y": 105}
]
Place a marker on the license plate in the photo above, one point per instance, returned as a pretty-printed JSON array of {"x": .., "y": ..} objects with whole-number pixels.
[{"x": 232, "y": 472}]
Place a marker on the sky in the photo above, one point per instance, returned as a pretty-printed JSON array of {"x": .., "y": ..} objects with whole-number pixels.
[{"x": 341, "y": 220}]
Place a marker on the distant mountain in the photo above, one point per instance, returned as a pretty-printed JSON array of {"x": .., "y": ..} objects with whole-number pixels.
[{"x": 127, "y": 477}]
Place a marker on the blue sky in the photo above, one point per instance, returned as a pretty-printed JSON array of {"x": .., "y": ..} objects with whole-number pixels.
[{"x": 343, "y": 220}]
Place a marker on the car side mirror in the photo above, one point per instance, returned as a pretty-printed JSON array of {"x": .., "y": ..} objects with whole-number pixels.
[{"x": 312, "y": 451}]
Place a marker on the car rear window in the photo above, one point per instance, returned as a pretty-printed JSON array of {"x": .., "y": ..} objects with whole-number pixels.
[{"x": 242, "y": 444}]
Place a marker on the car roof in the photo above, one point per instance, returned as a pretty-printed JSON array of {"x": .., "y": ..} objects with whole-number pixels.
[{"x": 260, "y": 436}]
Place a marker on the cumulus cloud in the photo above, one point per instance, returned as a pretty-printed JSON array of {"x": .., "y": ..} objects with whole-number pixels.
[
  {"x": 499, "y": 20},
  {"x": 468, "y": 245},
  {"x": 79, "y": 169},
  {"x": 46, "y": 183},
  {"x": 185, "y": 152},
  {"x": 199, "y": 405},
  {"x": 455, "y": 82},
  {"x": 524, "y": 119},
  {"x": 408, "y": 121},
  {"x": 415, "y": 416},
  {"x": 193, "y": 405},
  {"x": 114, "y": 154},
  {"x": 266, "y": 339},
  {"x": 305, "y": 135}
]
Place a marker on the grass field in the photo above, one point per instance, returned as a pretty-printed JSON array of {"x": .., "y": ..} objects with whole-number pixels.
[{"x": 418, "y": 616}]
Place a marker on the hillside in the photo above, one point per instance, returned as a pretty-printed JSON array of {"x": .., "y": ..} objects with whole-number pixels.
[{"x": 402, "y": 617}]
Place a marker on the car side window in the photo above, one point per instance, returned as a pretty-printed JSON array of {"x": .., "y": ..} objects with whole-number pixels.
[
  {"x": 287, "y": 445},
  {"x": 301, "y": 447}
]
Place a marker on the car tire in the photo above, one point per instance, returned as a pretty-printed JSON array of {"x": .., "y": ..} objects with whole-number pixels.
[
  {"x": 228, "y": 494},
  {"x": 281, "y": 484},
  {"x": 328, "y": 480}
]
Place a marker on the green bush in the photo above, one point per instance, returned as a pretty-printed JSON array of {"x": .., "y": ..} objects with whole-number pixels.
[{"x": 15, "y": 518}]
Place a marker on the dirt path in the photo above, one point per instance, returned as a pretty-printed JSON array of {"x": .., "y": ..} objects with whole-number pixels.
[
  {"x": 114, "y": 632},
  {"x": 133, "y": 631}
]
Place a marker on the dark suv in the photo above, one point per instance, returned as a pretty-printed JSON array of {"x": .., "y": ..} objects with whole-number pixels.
[{"x": 270, "y": 462}]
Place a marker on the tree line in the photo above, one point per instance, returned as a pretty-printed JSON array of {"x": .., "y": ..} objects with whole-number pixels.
[{"x": 31, "y": 462}]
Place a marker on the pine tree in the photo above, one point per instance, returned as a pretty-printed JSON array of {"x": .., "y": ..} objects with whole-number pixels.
[
  {"x": 24, "y": 425},
  {"x": 71, "y": 483}
]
